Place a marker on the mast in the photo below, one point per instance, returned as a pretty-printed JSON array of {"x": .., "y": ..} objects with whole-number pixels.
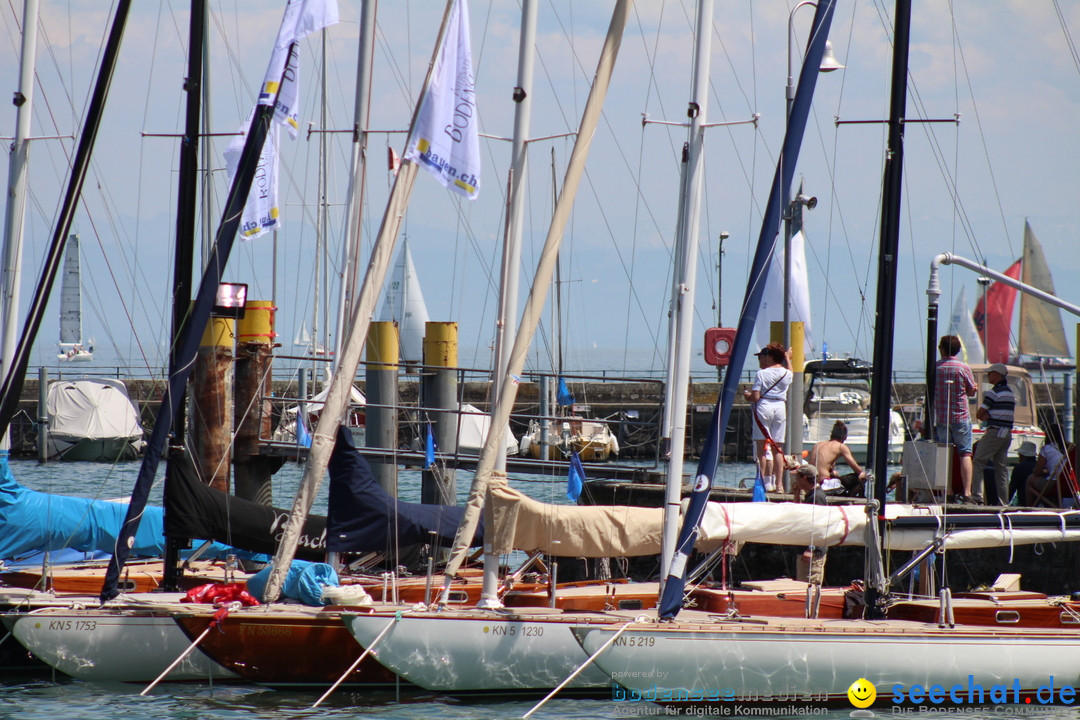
[
  {"x": 877, "y": 455},
  {"x": 15, "y": 370},
  {"x": 187, "y": 344},
  {"x": 506, "y": 323},
  {"x": 354, "y": 204},
  {"x": 686, "y": 285},
  {"x": 337, "y": 396},
  {"x": 15, "y": 212},
  {"x": 534, "y": 305},
  {"x": 187, "y": 197},
  {"x": 671, "y": 599}
]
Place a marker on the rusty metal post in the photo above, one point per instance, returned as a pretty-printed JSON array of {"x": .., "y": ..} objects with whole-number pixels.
[
  {"x": 211, "y": 403},
  {"x": 254, "y": 359}
]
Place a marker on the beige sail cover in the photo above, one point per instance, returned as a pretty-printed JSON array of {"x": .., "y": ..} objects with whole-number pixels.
[{"x": 521, "y": 523}]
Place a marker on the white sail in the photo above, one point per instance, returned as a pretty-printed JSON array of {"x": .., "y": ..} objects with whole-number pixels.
[
  {"x": 404, "y": 304},
  {"x": 71, "y": 340},
  {"x": 962, "y": 324}
]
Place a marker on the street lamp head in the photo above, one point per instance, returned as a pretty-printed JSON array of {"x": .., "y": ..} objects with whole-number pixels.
[
  {"x": 724, "y": 235},
  {"x": 828, "y": 60}
]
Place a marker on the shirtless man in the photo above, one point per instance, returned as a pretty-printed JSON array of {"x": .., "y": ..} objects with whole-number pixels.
[{"x": 824, "y": 456}]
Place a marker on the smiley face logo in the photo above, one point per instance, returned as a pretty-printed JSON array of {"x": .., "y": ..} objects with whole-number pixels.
[{"x": 862, "y": 693}]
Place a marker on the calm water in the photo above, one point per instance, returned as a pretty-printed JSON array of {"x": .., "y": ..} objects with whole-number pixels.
[{"x": 41, "y": 696}]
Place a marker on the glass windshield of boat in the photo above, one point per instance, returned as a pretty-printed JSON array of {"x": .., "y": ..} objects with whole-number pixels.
[{"x": 846, "y": 395}]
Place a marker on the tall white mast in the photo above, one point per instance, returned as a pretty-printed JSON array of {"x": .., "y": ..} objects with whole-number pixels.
[
  {"x": 15, "y": 212},
  {"x": 506, "y": 324},
  {"x": 354, "y": 202},
  {"x": 683, "y": 300}
]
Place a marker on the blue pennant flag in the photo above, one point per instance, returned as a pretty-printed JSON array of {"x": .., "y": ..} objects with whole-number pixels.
[
  {"x": 575, "y": 479},
  {"x": 759, "y": 488},
  {"x": 429, "y": 457},
  {"x": 303, "y": 437},
  {"x": 563, "y": 396}
]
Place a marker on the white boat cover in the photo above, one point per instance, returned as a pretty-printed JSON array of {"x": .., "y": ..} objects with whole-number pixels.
[
  {"x": 473, "y": 430},
  {"x": 92, "y": 408}
]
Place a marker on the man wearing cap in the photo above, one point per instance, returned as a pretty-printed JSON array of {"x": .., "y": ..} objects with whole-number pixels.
[
  {"x": 1026, "y": 457},
  {"x": 811, "y": 564},
  {"x": 996, "y": 413},
  {"x": 953, "y": 385}
]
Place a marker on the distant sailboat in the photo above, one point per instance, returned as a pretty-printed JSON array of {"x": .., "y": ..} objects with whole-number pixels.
[
  {"x": 993, "y": 317},
  {"x": 404, "y": 304},
  {"x": 962, "y": 325},
  {"x": 1042, "y": 334},
  {"x": 1042, "y": 343},
  {"x": 71, "y": 341}
]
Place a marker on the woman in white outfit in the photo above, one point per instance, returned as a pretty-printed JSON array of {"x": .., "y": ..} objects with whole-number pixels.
[{"x": 768, "y": 395}]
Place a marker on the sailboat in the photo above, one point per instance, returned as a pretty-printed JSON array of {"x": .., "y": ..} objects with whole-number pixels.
[
  {"x": 71, "y": 339},
  {"x": 1042, "y": 343},
  {"x": 404, "y": 304},
  {"x": 699, "y": 659}
]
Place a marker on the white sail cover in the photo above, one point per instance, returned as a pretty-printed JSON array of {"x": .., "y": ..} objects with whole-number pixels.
[
  {"x": 94, "y": 409},
  {"x": 521, "y": 523},
  {"x": 962, "y": 325},
  {"x": 404, "y": 304}
]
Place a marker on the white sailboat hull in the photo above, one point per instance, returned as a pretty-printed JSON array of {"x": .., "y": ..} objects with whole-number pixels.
[
  {"x": 818, "y": 660},
  {"x": 113, "y": 645},
  {"x": 481, "y": 650}
]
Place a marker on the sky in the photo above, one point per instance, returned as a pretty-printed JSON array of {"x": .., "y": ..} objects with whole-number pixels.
[{"x": 1008, "y": 70}]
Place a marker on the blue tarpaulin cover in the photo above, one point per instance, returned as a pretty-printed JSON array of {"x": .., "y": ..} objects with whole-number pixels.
[{"x": 304, "y": 582}]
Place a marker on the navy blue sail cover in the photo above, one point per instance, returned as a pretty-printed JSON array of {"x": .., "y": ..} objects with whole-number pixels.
[
  {"x": 196, "y": 510},
  {"x": 363, "y": 517}
]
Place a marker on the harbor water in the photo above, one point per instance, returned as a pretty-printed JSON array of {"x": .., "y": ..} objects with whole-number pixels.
[{"x": 45, "y": 695}]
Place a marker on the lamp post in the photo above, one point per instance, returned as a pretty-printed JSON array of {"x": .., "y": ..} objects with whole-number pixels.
[{"x": 829, "y": 63}]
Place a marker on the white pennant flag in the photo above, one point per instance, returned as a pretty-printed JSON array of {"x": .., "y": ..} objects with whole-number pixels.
[
  {"x": 281, "y": 85},
  {"x": 445, "y": 139},
  {"x": 261, "y": 211}
]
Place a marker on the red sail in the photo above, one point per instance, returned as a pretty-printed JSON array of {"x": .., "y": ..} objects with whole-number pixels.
[{"x": 994, "y": 328}]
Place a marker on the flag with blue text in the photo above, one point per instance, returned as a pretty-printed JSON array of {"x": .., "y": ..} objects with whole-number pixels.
[
  {"x": 445, "y": 140},
  {"x": 261, "y": 212},
  {"x": 281, "y": 85}
]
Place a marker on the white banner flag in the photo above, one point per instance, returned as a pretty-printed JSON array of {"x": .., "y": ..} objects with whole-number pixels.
[
  {"x": 281, "y": 85},
  {"x": 261, "y": 212},
  {"x": 772, "y": 300},
  {"x": 445, "y": 139}
]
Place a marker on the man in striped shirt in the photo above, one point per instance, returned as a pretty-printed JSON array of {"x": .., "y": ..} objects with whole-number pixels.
[
  {"x": 953, "y": 385},
  {"x": 996, "y": 412}
]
